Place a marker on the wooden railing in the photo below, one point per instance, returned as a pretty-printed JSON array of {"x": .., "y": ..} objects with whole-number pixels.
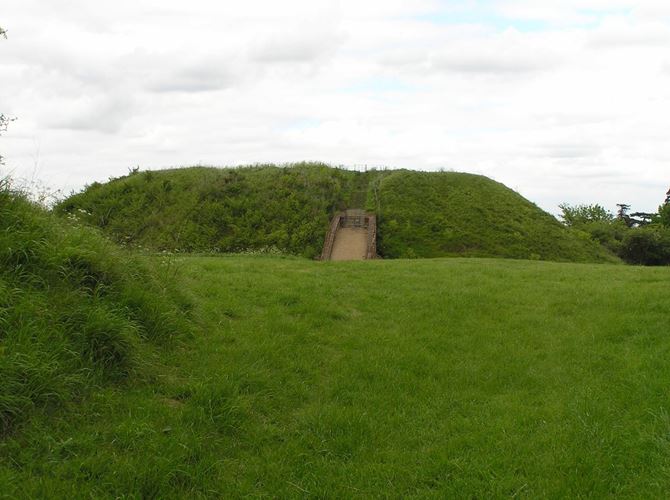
[
  {"x": 372, "y": 237},
  {"x": 330, "y": 237}
]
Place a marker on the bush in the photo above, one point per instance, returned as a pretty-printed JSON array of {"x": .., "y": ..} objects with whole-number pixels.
[
  {"x": 609, "y": 234},
  {"x": 649, "y": 246}
]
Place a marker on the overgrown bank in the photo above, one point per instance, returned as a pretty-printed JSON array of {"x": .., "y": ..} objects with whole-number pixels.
[
  {"x": 75, "y": 311},
  {"x": 208, "y": 209}
]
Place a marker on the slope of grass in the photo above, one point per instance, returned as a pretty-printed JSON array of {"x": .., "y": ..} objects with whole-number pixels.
[
  {"x": 74, "y": 310},
  {"x": 288, "y": 209},
  {"x": 436, "y": 214},
  {"x": 209, "y": 209},
  {"x": 466, "y": 378}
]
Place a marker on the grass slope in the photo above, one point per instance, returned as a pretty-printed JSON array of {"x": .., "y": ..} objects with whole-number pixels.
[
  {"x": 466, "y": 378},
  {"x": 74, "y": 310},
  {"x": 436, "y": 214},
  {"x": 267, "y": 207}
]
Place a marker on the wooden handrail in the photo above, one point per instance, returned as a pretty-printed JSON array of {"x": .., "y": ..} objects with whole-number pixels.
[
  {"x": 330, "y": 237},
  {"x": 372, "y": 237}
]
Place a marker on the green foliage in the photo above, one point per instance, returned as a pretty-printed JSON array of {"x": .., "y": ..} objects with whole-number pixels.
[
  {"x": 450, "y": 378},
  {"x": 649, "y": 246},
  {"x": 664, "y": 215},
  {"x": 73, "y": 309},
  {"x": 445, "y": 213},
  {"x": 637, "y": 241},
  {"x": 288, "y": 209},
  {"x": 579, "y": 215},
  {"x": 609, "y": 234}
]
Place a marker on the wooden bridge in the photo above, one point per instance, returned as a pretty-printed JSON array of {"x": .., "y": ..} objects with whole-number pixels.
[{"x": 352, "y": 236}]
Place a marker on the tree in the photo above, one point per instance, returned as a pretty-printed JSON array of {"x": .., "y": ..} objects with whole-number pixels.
[
  {"x": 583, "y": 214},
  {"x": 664, "y": 214}
]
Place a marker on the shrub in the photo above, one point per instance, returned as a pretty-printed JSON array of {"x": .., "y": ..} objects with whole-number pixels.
[
  {"x": 649, "y": 246},
  {"x": 610, "y": 234}
]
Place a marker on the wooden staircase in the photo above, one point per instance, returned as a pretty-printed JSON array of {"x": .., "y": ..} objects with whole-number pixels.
[{"x": 352, "y": 236}]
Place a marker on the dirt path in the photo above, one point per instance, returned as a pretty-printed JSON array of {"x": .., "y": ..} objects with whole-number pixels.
[{"x": 350, "y": 244}]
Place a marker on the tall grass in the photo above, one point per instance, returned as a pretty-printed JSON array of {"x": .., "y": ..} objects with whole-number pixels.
[
  {"x": 74, "y": 309},
  {"x": 446, "y": 378}
]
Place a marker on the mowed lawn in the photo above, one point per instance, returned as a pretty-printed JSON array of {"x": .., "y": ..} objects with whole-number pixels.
[{"x": 416, "y": 378}]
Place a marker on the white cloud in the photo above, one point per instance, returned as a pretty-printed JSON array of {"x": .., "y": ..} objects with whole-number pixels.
[
  {"x": 509, "y": 53},
  {"x": 572, "y": 109},
  {"x": 619, "y": 32}
]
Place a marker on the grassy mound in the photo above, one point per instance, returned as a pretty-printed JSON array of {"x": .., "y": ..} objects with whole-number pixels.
[
  {"x": 421, "y": 214},
  {"x": 209, "y": 209},
  {"x": 437, "y": 214},
  {"x": 74, "y": 309}
]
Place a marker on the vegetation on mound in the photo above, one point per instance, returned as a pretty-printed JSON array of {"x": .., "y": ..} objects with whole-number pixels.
[
  {"x": 424, "y": 214},
  {"x": 421, "y": 214},
  {"x": 74, "y": 309},
  {"x": 208, "y": 209},
  {"x": 450, "y": 378}
]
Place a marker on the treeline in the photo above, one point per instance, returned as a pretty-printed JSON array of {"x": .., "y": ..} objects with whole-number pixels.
[{"x": 638, "y": 238}]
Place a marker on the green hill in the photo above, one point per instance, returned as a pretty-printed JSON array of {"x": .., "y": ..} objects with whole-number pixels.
[
  {"x": 426, "y": 214},
  {"x": 421, "y": 214},
  {"x": 75, "y": 310}
]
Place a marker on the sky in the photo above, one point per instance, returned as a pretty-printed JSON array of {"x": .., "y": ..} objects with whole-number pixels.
[{"x": 564, "y": 101}]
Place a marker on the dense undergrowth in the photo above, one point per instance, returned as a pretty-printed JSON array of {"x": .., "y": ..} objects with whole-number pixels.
[
  {"x": 75, "y": 310},
  {"x": 421, "y": 214}
]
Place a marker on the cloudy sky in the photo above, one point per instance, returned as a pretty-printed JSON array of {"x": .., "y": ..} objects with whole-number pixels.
[{"x": 562, "y": 100}]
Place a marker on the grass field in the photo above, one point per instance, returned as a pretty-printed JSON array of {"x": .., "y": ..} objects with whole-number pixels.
[{"x": 422, "y": 378}]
